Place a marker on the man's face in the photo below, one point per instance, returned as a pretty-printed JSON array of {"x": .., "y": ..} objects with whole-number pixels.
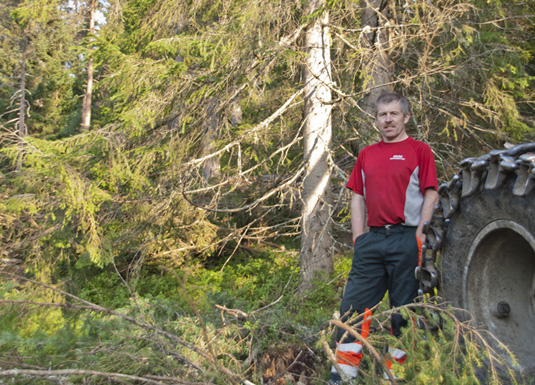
[{"x": 391, "y": 122}]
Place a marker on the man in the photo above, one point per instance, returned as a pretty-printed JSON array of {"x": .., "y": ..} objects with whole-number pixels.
[{"x": 394, "y": 183}]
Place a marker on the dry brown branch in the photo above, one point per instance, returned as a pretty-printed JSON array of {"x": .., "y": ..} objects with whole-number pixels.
[
  {"x": 239, "y": 314},
  {"x": 267, "y": 306},
  {"x": 54, "y": 374},
  {"x": 178, "y": 381}
]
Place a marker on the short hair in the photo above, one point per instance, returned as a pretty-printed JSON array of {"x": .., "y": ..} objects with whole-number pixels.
[{"x": 390, "y": 97}]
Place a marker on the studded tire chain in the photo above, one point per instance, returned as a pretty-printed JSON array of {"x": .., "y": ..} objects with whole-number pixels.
[{"x": 485, "y": 172}]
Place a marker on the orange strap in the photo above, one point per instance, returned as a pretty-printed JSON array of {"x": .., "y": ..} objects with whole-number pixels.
[
  {"x": 367, "y": 321},
  {"x": 419, "y": 250}
]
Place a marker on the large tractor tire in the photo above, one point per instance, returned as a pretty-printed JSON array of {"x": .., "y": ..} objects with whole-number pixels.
[{"x": 482, "y": 237}]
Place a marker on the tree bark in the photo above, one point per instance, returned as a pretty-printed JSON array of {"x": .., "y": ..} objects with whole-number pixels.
[
  {"x": 212, "y": 166},
  {"x": 23, "y": 131},
  {"x": 377, "y": 66},
  {"x": 86, "y": 104},
  {"x": 316, "y": 225}
]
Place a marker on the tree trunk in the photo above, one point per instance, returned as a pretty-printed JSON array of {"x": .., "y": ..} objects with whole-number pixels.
[
  {"x": 86, "y": 104},
  {"x": 23, "y": 131},
  {"x": 212, "y": 166},
  {"x": 316, "y": 225},
  {"x": 377, "y": 67}
]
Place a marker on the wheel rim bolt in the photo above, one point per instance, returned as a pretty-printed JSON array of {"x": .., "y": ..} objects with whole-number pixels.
[{"x": 502, "y": 310}]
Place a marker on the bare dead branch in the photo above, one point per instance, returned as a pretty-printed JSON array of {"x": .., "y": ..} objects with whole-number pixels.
[
  {"x": 239, "y": 314},
  {"x": 52, "y": 374},
  {"x": 258, "y": 127},
  {"x": 291, "y": 180}
]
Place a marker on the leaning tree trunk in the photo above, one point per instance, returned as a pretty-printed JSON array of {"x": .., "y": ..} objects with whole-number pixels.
[
  {"x": 316, "y": 224},
  {"x": 376, "y": 64},
  {"x": 86, "y": 103}
]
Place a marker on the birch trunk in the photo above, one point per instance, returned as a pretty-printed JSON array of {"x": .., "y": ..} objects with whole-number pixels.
[
  {"x": 316, "y": 242},
  {"x": 86, "y": 104}
]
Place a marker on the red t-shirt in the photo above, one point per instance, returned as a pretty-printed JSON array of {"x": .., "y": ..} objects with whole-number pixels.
[{"x": 393, "y": 178}]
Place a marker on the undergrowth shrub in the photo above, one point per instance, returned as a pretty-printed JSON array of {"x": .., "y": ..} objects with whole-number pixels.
[
  {"x": 219, "y": 324},
  {"x": 106, "y": 288}
]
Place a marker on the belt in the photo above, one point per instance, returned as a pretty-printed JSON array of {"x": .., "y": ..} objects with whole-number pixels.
[{"x": 399, "y": 227}]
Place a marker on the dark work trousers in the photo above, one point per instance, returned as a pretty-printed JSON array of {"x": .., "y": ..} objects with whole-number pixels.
[{"x": 384, "y": 259}]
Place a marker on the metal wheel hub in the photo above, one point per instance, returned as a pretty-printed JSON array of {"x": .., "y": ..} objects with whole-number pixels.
[{"x": 499, "y": 287}]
